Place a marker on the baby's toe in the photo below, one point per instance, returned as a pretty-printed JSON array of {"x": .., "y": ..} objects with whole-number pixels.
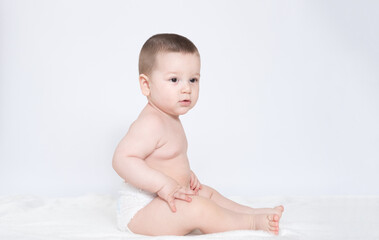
[
  {"x": 273, "y": 224},
  {"x": 274, "y": 230},
  {"x": 280, "y": 208},
  {"x": 274, "y": 218}
]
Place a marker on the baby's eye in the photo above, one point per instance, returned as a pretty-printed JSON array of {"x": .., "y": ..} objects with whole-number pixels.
[
  {"x": 173, "y": 79},
  {"x": 193, "y": 80}
]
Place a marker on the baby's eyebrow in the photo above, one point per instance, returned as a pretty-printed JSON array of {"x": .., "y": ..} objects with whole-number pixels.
[
  {"x": 175, "y": 73},
  {"x": 171, "y": 73}
]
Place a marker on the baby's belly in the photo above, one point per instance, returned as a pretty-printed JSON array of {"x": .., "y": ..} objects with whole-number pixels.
[{"x": 177, "y": 168}]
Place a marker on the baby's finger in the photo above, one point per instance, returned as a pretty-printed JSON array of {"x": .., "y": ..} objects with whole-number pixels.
[
  {"x": 194, "y": 184},
  {"x": 197, "y": 183},
  {"x": 182, "y": 196},
  {"x": 171, "y": 204},
  {"x": 193, "y": 187},
  {"x": 188, "y": 191},
  {"x": 198, "y": 187}
]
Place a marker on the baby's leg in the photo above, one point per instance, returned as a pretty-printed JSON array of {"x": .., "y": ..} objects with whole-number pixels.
[
  {"x": 201, "y": 213},
  {"x": 224, "y": 202}
]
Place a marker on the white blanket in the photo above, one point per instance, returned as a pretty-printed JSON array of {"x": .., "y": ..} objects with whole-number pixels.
[{"x": 93, "y": 217}]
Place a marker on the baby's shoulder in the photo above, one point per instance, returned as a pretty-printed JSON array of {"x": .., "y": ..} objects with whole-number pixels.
[{"x": 149, "y": 122}]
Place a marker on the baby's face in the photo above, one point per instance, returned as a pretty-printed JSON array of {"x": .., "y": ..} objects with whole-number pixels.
[{"x": 174, "y": 82}]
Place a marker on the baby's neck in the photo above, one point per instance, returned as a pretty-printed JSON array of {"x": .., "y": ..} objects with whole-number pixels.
[{"x": 166, "y": 115}]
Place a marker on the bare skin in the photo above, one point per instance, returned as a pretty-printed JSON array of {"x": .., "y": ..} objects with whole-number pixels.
[
  {"x": 208, "y": 211},
  {"x": 153, "y": 157}
]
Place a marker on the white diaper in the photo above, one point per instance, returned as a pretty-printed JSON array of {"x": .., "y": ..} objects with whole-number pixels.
[{"x": 130, "y": 201}]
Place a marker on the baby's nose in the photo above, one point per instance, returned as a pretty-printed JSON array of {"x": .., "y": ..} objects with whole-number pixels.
[{"x": 186, "y": 87}]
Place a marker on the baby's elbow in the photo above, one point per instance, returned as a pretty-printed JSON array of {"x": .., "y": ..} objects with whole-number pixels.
[
  {"x": 122, "y": 166},
  {"x": 116, "y": 162},
  {"x": 117, "y": 165},
  {"x": 120, "y": 162}
]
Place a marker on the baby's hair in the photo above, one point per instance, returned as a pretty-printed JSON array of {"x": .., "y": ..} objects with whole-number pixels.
[{"x": 164, "y": 42}]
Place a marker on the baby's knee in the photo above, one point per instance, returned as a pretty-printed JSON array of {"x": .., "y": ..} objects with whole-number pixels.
[{"x": 206, "y": 191}]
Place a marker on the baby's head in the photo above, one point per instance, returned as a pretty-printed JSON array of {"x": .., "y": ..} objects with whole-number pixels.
[
  {"x": 163, "y": 43},
  {"x": 169, "y": 68}
]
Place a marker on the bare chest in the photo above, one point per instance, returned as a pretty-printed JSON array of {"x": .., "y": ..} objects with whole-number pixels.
[
  {"x": 170, "y": 155},
  {"x": 173, "y": 144}
]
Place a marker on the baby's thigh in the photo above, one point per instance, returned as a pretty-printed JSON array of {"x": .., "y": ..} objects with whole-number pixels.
[{"x": 158, "y": 219}]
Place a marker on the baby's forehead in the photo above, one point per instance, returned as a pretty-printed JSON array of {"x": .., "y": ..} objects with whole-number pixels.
[
  {"x": 176, "y": 54},
  {"x": 177, "y": 62}
]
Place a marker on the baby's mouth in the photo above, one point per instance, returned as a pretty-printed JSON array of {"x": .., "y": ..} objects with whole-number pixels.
[{"x": 185, "y": 102}]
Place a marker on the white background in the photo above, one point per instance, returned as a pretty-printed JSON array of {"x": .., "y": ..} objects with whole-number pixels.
[{"x": 289, "y": 100}]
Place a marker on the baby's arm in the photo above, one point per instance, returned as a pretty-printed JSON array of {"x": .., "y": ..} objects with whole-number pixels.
[{"x": 128, "y": 161}]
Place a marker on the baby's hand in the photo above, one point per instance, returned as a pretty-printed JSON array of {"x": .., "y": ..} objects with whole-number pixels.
[
  {"x": 171, "y": 191},
  {"x": 195, "y": 183}
]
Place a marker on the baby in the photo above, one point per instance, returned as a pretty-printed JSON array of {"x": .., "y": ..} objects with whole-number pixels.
[{"x": 161, "y": 195}]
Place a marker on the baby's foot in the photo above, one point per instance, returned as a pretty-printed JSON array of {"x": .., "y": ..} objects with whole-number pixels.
[
  {"x": 265, "y": 222},
  {"x": 279, "y": 210},
  {"x": 276, "y": 210}
]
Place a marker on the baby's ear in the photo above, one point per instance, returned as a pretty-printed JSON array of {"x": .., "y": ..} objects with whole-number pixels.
[{"x": 144, "y": 84}]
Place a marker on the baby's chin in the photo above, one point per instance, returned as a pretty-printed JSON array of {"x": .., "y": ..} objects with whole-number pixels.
[
  {"x": 181, "y": 111},
  {"x": 185, "y": 110}
]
